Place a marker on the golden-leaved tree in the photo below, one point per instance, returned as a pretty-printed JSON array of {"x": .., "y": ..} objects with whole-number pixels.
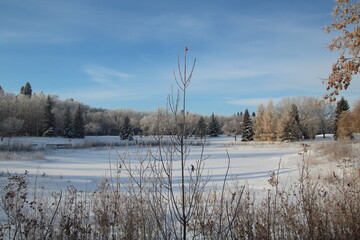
[
  {"x": 346, "y": 16},
  {"x": 349, "y": 122}
]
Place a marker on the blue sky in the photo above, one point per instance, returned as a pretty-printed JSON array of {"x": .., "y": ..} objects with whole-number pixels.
[{"x": 122, "y": 53}]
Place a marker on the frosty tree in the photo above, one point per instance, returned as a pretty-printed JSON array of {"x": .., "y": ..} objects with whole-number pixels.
[
  {"x": 126, "y": 132},
  {"x": 247, "y": 132},
  {"x": 214, "y": 129},
  {"x": 11, "y": 126}
]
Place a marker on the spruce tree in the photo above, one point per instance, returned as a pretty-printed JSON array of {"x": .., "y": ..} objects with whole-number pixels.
[
  {"x": 27, "y": 91},
  {"x": 67, "y": 127},
  {"x": 200, "y": 128},
  {"x": 79, "y": 125},
  {"x": 48, "y": 125},
  {"x": 126, "y": 132},
  {"x": 247, "y": 131},
  {"x": 341, "y": 106},
  {"x": 213, "y": 127}
]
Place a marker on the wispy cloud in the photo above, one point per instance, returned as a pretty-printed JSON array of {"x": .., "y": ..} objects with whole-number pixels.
[
  {"x": 254, "y": 101},
  {"x": 106, "y": 76}
]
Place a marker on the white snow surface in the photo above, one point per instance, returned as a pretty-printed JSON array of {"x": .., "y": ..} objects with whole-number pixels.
[{"x": 250, "y": 162}]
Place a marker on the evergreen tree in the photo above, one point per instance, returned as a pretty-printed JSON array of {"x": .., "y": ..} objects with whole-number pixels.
[
  {"x": 1, "y": 91},
  {"x": 201, "y": 128},
  {"x": 341, "y": 106},
  {"x": 79, "y": 125},
  {"x": 27, "y": 91},
  {"x": 247, "y": 131},
  {"x": 126, "y": 132},
  {"x": 67, "y": 127},
  {"x": 48, "y": 125},
  {"x": 214, "y": 129}
]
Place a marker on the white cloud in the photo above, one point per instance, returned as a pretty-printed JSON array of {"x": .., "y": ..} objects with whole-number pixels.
[{"x": 106, "y": 76}]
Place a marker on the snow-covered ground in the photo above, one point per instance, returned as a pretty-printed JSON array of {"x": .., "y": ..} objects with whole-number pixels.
[{"x": 250, "y": 163}]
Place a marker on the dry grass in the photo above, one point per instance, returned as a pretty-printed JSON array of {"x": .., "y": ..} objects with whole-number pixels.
[
  {"x": 21, "y": 155},
  {"x": 337, "y": 150},
  {"x": 339, "y": 161}
]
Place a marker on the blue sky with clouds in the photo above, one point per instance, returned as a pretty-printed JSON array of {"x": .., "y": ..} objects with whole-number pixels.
[{"x": 122, "y": 53}]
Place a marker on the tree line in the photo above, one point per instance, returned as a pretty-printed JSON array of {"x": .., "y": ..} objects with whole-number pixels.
[{"x": 38, "y": 114}]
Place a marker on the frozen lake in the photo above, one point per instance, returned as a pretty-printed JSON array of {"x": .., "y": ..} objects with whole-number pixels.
[{"x": 84, "y": 168}]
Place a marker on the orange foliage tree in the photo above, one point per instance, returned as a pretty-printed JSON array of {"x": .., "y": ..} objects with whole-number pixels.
[
  {"x": 346, "y": 16},
  {"x": 349, "y": 122}
]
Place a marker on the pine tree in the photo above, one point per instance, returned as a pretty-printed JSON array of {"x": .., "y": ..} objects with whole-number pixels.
[
  {"x": 341, "y": 106},
  {"x": 79, "y": 125},
  {"x": 48, "y": 125},
  {"x": 201, "y": 128},
  {"x": 67, "y": 127},
  {"x": 247, "y": 132},
  {"x": 27, "y": 91},
  {"x": 214, "y": 129},
  {"x": 126, "y": 132}
]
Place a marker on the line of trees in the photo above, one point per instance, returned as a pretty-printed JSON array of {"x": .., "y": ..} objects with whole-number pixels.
[
  {"x": 293, "y": 119},
  {"x": 37, "y": 114}
]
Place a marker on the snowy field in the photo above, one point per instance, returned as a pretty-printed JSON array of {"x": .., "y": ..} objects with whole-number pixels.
[{"x": 250, "y": 163}]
